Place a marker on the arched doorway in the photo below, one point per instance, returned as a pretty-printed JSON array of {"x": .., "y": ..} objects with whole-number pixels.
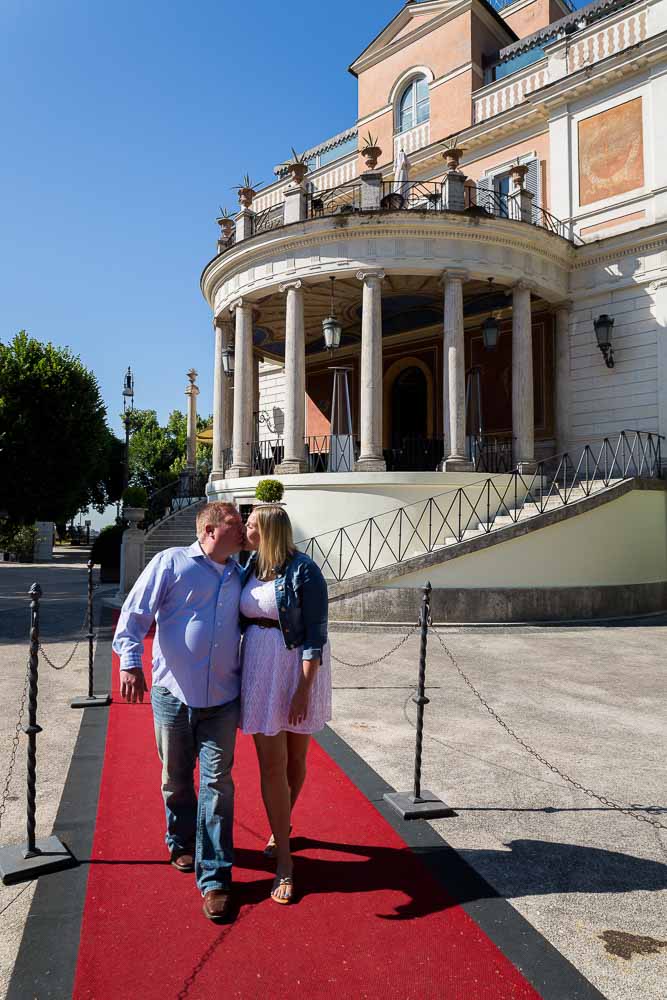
[{"x": 409, "y": 408}]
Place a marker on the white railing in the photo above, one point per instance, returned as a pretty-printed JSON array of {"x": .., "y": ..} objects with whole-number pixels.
[
  {"x": 413, "y": 139},
  {"x": 504, "y": 94},
  {"x": 589, "y": 46}
]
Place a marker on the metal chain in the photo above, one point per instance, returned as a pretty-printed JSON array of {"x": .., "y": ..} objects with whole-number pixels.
[
  {"x": 384, "y": 656},
  {"x": 627, "y": 811},
  {"x": 78, "y": 642},
  {"x": 15, "y": 745}
]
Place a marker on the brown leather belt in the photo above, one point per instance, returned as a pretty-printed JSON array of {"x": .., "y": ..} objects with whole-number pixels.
[{"x": 263, "y": 622}]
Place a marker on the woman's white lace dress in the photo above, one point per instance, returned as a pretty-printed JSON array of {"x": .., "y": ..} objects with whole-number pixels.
[{"x": 271, "y": 672}]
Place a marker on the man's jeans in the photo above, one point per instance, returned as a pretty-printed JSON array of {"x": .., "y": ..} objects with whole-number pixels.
[{"x": 183, "y": 734}]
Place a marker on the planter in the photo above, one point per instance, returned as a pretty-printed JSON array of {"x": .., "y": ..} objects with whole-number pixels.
[
  {"x": 452, "y": 158},
  {"x": 226, "y": 227},
  {"x": 246, "y": 195},
  {"x": 518, "y": 175},
  {"x": 298, "y": 171},
  {"x": 371, "y": 155},
  {"x": 134, "y": 515}
]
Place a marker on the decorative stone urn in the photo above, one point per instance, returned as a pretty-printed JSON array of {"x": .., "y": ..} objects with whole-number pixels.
[
  {"x": 371, "y": 155},
  {"x": 298, "y": 171},
  {"x": 226, "y": 224},
  {"x": 246, "y": 194},
  {"x": 452, "y": 157},
  {"x": 134, "y": 515},
  {"x": 518, "y": 175}
]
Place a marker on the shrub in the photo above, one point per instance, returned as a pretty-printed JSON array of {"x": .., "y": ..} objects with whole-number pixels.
[
  {"x": 19, "y": 542},
  {"x": 106, "y": 547},
  {"x": 269, "y": 490},
  {"x": 135, "y": 496}
]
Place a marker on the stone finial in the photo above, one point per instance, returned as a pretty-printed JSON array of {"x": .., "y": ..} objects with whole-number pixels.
[{"x": 192, "y": 375}]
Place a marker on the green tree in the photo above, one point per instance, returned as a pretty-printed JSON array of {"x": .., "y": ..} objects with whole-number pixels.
[
  {"x": 157, "y": 454},
  {"x": 56, "y": 447}
]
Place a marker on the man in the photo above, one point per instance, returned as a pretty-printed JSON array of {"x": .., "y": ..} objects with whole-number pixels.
[{"x": 192, "y": 593}]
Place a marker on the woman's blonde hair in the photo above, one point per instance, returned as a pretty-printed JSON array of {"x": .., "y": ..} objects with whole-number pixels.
[{"x": 276, "y": 542}]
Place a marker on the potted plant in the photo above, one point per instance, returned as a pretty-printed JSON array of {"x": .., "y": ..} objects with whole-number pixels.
[
  {"x": 452, "y": 153},
  {"x": 106, "y": 552},
  {"x": 518, "y": 173},
  {"x": 269, "y": 491},
  {"x": 297, "y": 166},
  {"x": 135, "y": 501},
  {"x": 247, "y": 190},
  {"x": 226, "y": 222},
  {"x": 370, "y": 150}
]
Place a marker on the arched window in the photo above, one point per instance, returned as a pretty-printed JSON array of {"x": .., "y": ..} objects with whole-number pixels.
[{"x": 413, "y": 106}]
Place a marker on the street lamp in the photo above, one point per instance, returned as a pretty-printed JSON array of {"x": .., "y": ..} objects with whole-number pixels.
[{"x": 128, "y": 407}]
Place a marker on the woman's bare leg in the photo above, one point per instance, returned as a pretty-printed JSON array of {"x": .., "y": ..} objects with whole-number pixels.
[
  {"x": 297, "y": 750},
  {"x": 272, "y": 756}
]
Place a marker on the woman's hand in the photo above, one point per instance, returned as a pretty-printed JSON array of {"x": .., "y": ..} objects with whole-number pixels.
[{"x": 298, "y": 709}]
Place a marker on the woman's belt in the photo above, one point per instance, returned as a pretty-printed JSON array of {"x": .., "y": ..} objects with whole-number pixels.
[{"x": 262, "y": 622}]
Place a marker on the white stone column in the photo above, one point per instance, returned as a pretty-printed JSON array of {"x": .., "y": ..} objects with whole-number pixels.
[
  {"x": 222, "y": 399},
  {"x": 454, "y": 374},
  {"x": 242, "y": 431},
  {"x": 563, "y": 387},
  {"x": 658, "y": 290},
  {"x": 191, "y": 392},
  {"x": 294, "y": 459},
  {"x": 523, "y": 407},
  {"x": 371, "y": 458}
]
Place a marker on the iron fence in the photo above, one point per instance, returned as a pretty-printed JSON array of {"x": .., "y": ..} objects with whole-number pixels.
[
  {"x": 270, "y": 218},
  {"x": 450, "y": 517},
  {"x": 182, "y": 492},
  {"x": 411, "y": 195},
  {"x": 339, "y": 200}
]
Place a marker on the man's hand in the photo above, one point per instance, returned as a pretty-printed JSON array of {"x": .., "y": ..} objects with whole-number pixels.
[{"x": 132, "y": 685}]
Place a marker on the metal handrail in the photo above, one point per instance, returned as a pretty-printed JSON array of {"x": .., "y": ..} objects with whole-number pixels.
[
  {"x": 434, "y": 522},
  {"x": 335, "y": 201},
  {"x": 272, "y": 217},
  {"x": 180, "y": 493}
]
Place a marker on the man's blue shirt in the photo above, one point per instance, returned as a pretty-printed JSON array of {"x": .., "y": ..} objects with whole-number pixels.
[{"x": 195, "y": 604}]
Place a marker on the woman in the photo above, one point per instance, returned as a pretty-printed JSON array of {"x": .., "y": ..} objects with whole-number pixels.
[{"x": 286, "y": 681}]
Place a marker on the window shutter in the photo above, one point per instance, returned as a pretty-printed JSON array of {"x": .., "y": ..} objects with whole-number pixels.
[
  {"x": 485, "y": 194},
  {"x": 533, "y": 184}
]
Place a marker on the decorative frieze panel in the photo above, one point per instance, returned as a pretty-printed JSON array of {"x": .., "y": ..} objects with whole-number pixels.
[{"x": 611, "y": 152}]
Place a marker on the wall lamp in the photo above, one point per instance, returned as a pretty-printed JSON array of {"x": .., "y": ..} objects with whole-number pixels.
[
  {"x": 604, "y": 325},
  {"x": 228, "y": 361},
  {"x": 490, "y": 328}
]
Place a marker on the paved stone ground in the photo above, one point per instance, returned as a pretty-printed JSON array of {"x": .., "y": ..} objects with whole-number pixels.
[
  {"x": 590, "y": 699},
  {"x": 63, "y": 607}
]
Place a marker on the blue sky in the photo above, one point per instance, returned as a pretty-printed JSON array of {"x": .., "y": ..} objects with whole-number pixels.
[{"x": 124, "y": 126}]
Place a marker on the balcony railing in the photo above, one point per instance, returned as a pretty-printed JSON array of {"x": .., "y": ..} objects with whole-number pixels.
[{"x": 335, "y": 201}]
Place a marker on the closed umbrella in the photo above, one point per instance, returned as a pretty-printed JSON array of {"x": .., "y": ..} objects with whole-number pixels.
[{"x": 401, "y": 184}]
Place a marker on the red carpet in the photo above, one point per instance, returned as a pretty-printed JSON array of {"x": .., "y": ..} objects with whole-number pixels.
[{"x": 370, "y": 923}]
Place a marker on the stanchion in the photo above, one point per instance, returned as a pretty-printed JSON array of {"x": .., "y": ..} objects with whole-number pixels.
[
  {"x": 21, "y": 863},
  {"x": 420, "y": 804},
  {"x": 92, "y": 700}
]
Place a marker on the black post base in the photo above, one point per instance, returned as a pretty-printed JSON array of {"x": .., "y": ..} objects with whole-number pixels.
[
  {"x": 427, "y": 806},
  {"x": 94, "y": 702},
  {"x": 52, "y": 856}
]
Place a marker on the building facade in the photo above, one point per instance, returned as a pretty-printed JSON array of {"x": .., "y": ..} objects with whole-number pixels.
[{"x": 499, "y": 205}]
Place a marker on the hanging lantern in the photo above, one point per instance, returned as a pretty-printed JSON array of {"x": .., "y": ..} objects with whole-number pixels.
[
  {"x": 490, "y": 328},
  {"x": 331, "y": 328}
]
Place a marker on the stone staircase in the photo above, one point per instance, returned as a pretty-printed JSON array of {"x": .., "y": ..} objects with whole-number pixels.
[{"x": 177, "y": 529}]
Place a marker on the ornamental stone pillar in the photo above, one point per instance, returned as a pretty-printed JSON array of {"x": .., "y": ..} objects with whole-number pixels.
[
  {"x": 242, "y": 430},
  {"x": 223, "y": 396},
  {"x": 294, "y": 459},
  {"x": 563, "y": 387},
  {"x": 523, "y": 407},
  {"x": 371, "y": 458},
  {"x": 454, "y": 388},
  {"x": 192, "y": 391}
]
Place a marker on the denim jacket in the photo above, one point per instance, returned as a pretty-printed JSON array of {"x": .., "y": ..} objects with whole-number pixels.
[{"x": 302, "y": 599}]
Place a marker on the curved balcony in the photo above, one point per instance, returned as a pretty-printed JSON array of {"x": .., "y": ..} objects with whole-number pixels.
[{"x": 413, "y": 228}]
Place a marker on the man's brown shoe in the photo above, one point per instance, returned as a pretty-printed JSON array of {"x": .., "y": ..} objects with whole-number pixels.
[
  {"x": 183, "y": 861},
  {"x": 217, "y": 904}
]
